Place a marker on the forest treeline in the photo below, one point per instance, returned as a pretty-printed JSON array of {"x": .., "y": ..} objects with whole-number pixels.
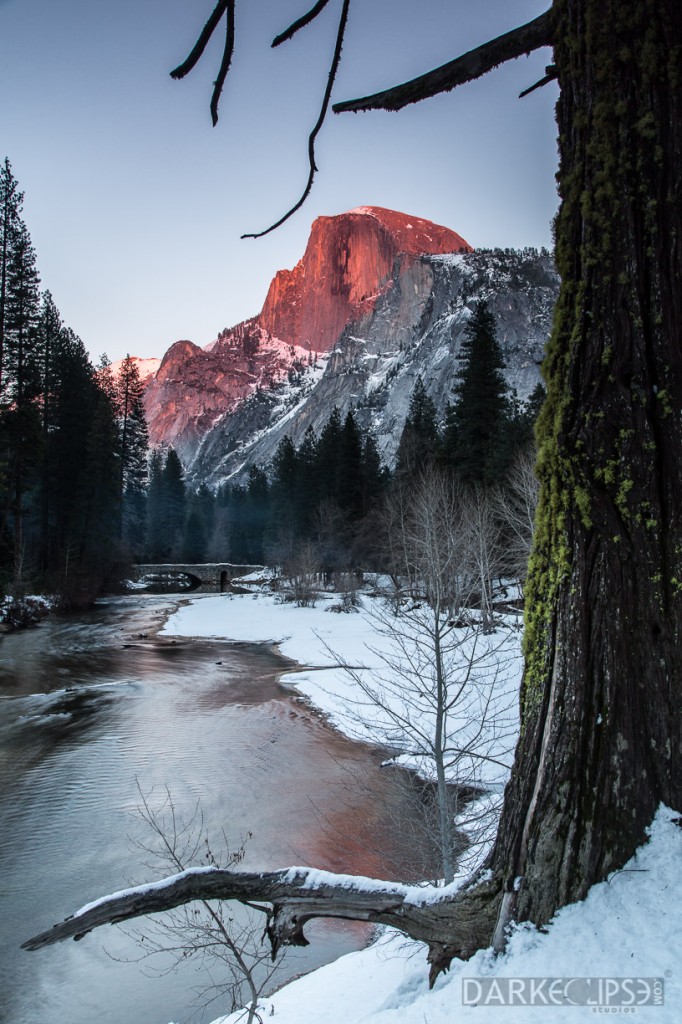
[
  {"x": 321, "y": 502},
  {"x": 81, "y": 495},
  {"x": 73, "y": 440}
]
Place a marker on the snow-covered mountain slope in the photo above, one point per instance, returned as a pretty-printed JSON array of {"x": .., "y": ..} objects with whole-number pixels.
[{"x": 414, "y": 327}]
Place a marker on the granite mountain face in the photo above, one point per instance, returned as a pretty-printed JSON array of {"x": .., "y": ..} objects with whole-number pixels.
[{"x": 378, "y": 299}]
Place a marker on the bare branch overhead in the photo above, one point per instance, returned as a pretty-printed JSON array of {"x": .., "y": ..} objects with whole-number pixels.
[
  {"x": 202, "y": 42},
  {"x": 300, "y": 23},
  {"x": 336, "y": 60},
  {"x": 471, "y": 65},
  {"x": 551, "y": 74},
  {"x": 225, "y": 62},
  {"x": 226, "y": 8}
]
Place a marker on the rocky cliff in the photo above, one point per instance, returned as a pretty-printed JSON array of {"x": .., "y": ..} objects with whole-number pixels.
[
  {"x": 378, "y": 299},
  {"x": 414, "y": 328},
  {"x": 345, "y": 269},
  {"x": 347, "y": 264}
]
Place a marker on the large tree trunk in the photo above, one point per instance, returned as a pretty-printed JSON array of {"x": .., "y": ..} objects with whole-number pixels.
[
  {"x": 602, "y": 695},
  {"x": 600, "y": 745}
]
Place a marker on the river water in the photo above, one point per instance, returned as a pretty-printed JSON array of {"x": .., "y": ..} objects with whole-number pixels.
[{"x": 95, "y": 709}]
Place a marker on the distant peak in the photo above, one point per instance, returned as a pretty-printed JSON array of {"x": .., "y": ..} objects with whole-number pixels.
[{"x": 415, "y": 235}]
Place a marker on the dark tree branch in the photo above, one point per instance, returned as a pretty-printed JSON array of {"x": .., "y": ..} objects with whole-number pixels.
[
  {"x": 202, "y": 42},
  {"x": 300, "y": 23},
  {"x": 471, "y": 65},
  {"x": 336, "y": 60},
  {"x": 551, "y": 74},
  {"x": 225, "y": 62},
  {"x": 455, "y": 927}
]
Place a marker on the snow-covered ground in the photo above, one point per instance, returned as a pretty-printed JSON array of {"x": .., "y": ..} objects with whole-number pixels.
[
  {"x": 346, "y": 655},
  {"x": 629, "y": 927}
]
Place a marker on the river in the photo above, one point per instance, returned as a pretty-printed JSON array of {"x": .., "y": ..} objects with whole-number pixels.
[{"x": 95, "y": 709}]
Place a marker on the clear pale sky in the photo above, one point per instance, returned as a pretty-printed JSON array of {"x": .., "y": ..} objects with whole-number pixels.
[{"x": 135, "y": 203}]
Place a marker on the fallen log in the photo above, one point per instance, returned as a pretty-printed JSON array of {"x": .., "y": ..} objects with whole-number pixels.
[{"x": 452, "y": 924}]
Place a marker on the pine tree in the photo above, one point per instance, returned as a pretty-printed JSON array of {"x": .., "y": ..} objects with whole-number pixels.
[
  {"x": 11, "y": 200},
  {"x": 174, "y": 503},
  {"x": 308, "y": 486},
  {"x": 258, "y": 512},
  {"x": 328, "y": 456},
  {"x": 21, "y": 383},
  {"x": 475, "y": 424},
  {"x": 285, "y": 484},
  {"x": 93, "y": 546},
  {"x": 133, "y": 448},
  {"x": 50, "y": 335},
  {"x": 420, "y": 439},
  {"x": 374, "y": 476},
  {"x": 348, "y": 484},
  {"x": 155, "y": 524}
]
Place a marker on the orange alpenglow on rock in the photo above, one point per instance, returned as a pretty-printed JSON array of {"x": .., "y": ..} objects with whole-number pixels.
[{"x": 347, "y": 263}]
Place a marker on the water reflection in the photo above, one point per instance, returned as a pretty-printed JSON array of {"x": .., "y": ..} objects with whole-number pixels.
[{"x": 92, "y": 707}]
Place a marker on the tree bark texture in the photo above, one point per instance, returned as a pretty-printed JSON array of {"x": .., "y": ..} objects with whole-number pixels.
[{"x": 602, "y": 694}]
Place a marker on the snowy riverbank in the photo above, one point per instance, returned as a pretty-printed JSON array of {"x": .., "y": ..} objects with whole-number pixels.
[
  {"x": 338, "y": 654},
  {"x": 628, "y": 927}
]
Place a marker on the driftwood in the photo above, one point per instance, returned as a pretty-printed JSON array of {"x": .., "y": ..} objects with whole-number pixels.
[{"x": 455, "y": 926}]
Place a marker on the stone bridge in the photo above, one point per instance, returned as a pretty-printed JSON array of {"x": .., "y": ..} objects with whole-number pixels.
[{"x": 209, "y": 577}]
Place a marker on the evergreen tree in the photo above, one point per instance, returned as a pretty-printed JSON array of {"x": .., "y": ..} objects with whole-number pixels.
[
  {"x": 21, "y": 371},
  {"x": 328, "y": 456},
  {"x": 533, "y": 405},
  {"x": 20, "y": 383},
  {"x": 420, "y": 439},
  {"x": 155, "y": 510},
  {"x": 258, "y": 513},
  {"x": 348, "y": 485},
  {"x": 133, "y": 449},
  {"x": 174, "y": 503},
  {"x": 308, "y": 480},
  {"x": 93, "y": 545},
  {"x": 50, "y": 336},
  {"x": 374, "y": 476},
  {"x": 285, "y": 483},
  {"x": 11, "y": 200},
  {"x": 475, "y": 424}
]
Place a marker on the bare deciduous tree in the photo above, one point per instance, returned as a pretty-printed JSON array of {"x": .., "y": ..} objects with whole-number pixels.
[
  {"x": 228, "y": 943},
  {"x": 435, "y": 692},
  {"x": 515, "y": 504}
]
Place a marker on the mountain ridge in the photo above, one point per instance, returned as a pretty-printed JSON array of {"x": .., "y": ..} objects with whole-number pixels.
[{"x": 363, "y": 313}]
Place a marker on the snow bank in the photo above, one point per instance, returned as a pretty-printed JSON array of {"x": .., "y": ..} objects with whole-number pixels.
[
  {"x": 630, "y": 926},
  {"x": 324, "y": 643}
]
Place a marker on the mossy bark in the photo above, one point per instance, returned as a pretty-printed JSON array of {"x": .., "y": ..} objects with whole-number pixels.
[{"x": 602, "y": 691}]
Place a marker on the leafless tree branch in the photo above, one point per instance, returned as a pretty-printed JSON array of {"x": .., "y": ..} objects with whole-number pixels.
[
  {"x": 225, "y": 62},
  {"x": 300, "y": 23},
  {"x": 336, "y": 60},
  {"x": 202, "y": 42},
  {"x": 471, "y": 65},
  {"x": 551, "y": 74}
]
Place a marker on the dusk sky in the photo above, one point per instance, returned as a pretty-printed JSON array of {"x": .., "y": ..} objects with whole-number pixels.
[{"x": 135, "y": 203}]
